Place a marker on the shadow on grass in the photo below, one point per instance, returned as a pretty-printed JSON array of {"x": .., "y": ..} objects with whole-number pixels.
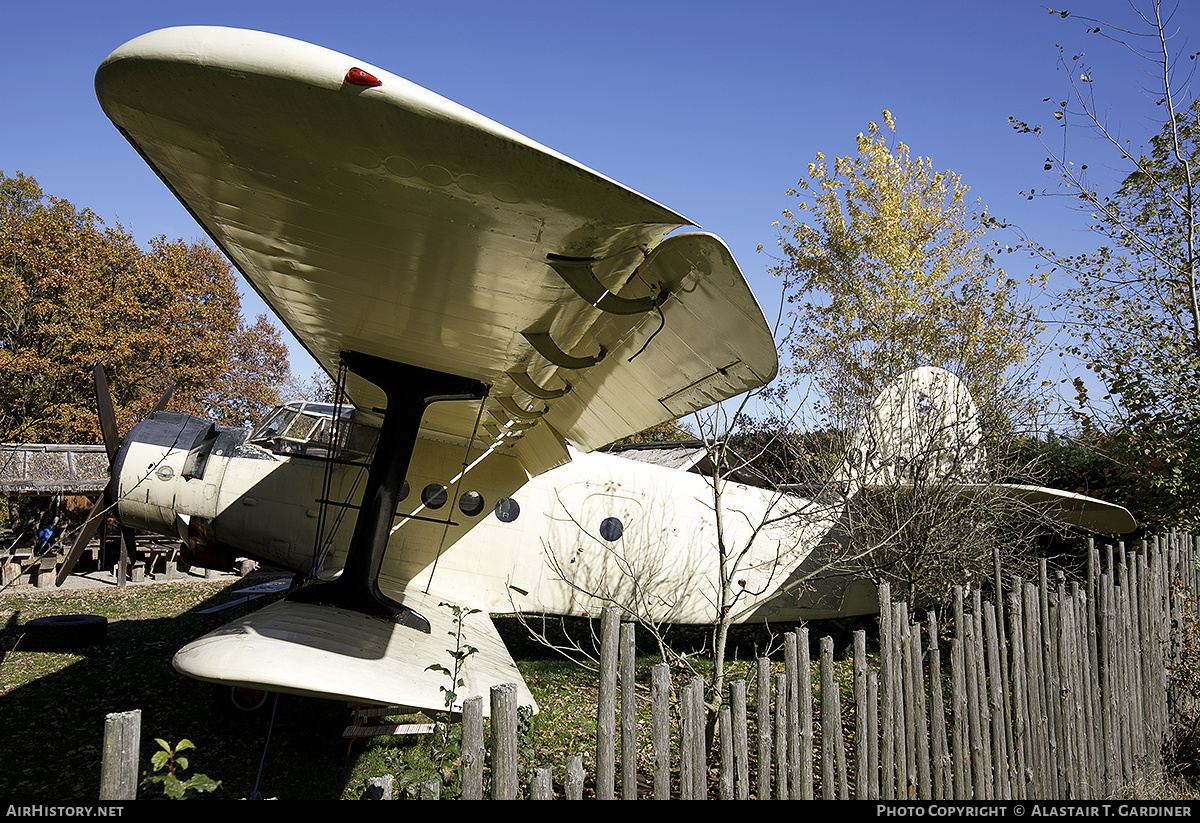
[{"x": 53, "y": 705}]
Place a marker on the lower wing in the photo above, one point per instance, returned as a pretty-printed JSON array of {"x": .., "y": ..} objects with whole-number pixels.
[{"x": 323, "y": 651}]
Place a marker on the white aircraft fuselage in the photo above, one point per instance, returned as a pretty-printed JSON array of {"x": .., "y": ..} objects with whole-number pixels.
[
  {"x": 600, "y": 530},
  {"x": 476, "y": 531}
]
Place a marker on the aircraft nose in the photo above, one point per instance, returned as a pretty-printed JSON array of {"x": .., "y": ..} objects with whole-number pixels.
[{"x": 154, "y": 462}]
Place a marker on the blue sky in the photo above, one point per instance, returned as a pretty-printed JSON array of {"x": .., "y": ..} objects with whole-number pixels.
[{"x": 713, "y": 109}]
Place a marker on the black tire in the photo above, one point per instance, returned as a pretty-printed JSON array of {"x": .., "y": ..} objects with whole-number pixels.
[
  {"x": 239, "y": 700},
  {"x": 65, "y": 631}
]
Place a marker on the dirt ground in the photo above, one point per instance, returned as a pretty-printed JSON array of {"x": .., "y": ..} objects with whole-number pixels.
[{"x": 103, "y": 578}]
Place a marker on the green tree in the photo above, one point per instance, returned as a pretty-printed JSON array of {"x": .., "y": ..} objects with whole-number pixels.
[
  {"x": 672, "y": 431},
  {"x": 73, "y": 292},
  {"x": 1134, "y": 307},
  {"x": 1136, "y": 328},
  {"x": 883, "y": 265}
]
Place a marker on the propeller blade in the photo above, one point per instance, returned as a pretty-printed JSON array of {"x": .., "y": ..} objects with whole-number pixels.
[
  {"x": 128, "y": 550},
  {"x": 162, "y": 401},
  {"x": 112, "y": 443},
  {"x": 108, "y": 417},
  {"x": 94, "y": 519}
]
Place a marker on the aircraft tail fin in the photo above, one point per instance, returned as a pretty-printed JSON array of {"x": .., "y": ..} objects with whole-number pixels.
[{"x": 923, "y": 427}]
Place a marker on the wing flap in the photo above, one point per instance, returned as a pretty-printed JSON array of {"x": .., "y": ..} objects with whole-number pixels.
[{"x": 706, "y": 343}]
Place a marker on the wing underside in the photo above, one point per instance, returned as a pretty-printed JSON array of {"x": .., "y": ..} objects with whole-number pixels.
[
  {"x": 385, "y": 220},
  {"x": 390, "y": 221}
]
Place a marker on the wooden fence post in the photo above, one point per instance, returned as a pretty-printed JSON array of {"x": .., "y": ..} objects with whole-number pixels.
[
  {"x": 762, "y": 708},
  {"x": 379, "y": 788},
  {"x": 573, "y": 783},
  {"x": 504, "y": 742},
  {"x": 725, "y": 739},
  {"x": 119, "y": 763},
  {"x": 472, "y": 749},
  {"x": 831, "y": 722},
  {"x": 660, "y": 729},
  {"x": 887, "y": 698},
  {"x": 741, "y": 740},
  {"x": 699, "y": 739},
  {"x": 937, "y": 713},
  {"x": 804, "y": 699},
  {"x": 782, "y": 785},
  {"x": 862, "y": 771},
  {"x": 606, "y": 710},
  {"x": 542, "y": 785},
  {"x": 629, "y": 763}
]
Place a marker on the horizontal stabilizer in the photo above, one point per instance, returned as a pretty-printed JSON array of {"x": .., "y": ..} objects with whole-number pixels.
[
  {"x": 923, "y": 432},
  {"x": 1064, "y": 507},
  {"x": 324, "y": 651},
  {"x": 1056, "y": 505}
]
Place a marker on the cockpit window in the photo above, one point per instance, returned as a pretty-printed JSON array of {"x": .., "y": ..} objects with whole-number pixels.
[
  {"x": 301, "y": 427},
  {"x": 273, "y": 424},
  {"x": 307, "y": 429}
]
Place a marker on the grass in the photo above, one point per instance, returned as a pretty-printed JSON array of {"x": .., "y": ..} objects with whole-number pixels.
[{"x": 53, "y": 705}]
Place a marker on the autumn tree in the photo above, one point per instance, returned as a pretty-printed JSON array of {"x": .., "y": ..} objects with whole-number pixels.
[
  {"x": 1133, "y": 308},
  {"x": 672, "y": 431},
  {"x": 73, "y": 292},
  {"x": 883, "y": 264}
]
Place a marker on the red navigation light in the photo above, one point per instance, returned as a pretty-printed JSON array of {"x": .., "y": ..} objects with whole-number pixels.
[{"x": 358, "y": 77}]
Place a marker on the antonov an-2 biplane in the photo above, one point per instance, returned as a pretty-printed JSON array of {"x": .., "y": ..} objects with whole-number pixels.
[{"x": 498, "y": 312}]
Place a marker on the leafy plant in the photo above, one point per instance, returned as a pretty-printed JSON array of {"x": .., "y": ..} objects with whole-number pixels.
[
  {"x": 446, "y": 750},
  {"x": 411, "y": 772},
  {"x": 173, "y": 786},
  {"x": 526, "y": 751},
  {"x": 458, "y": 654}
]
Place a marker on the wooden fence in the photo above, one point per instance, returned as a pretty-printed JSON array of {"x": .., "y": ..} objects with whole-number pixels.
[{"x": 1062, "y": 694}]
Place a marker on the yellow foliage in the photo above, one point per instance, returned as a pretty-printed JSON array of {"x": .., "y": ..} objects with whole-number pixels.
[{"x": 884, "y": 266}]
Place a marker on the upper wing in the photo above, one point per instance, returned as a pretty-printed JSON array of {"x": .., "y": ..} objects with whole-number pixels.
[{"x": 387, "y": 220}]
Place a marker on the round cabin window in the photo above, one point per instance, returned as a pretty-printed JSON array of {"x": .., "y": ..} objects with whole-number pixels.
[
  {"x": 507, "y": 510},
  {"x": 471, "y": 503},
  {"x": 433, "y": 496},
  {"x": 611, "y": 529}
]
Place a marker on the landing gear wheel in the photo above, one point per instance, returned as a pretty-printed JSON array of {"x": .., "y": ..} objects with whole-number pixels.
[
  {"x": 65, "y": 631},
  {"x": 240, "y": 699}
]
